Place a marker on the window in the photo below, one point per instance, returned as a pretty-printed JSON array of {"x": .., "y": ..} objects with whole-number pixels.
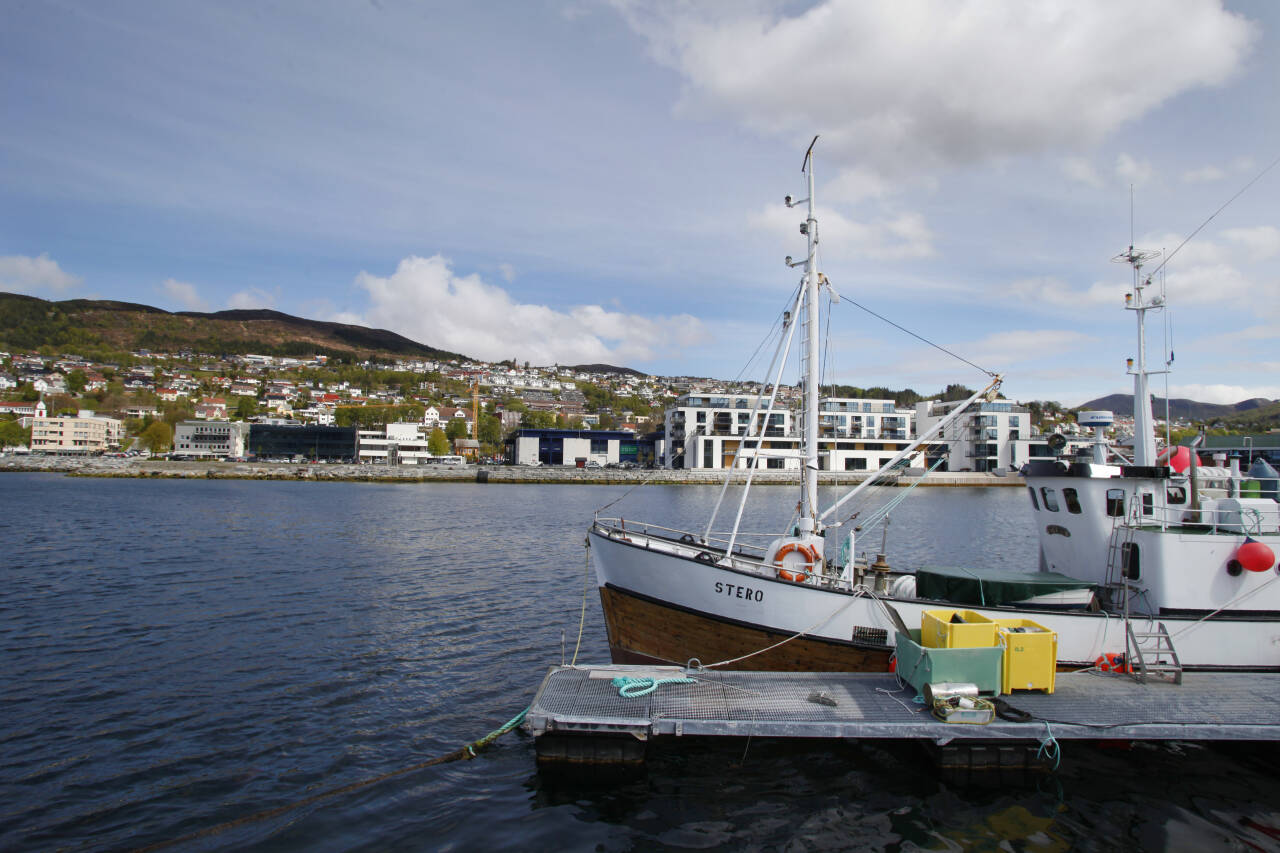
[
  {"x": 1115, "y": 503},
  {"x": 599, "y": 445},
  {"x": 1035, "y": 504},
  {"x": 1129, "y": 562},
  {"x": 776, "y": 463},
  {"x": 1073, "y": 501},
  {"x": 1148, "y": 503},
  {"x": 1176, "y": 495},
  {"x": 855, "y": 464},
  {"x": 1050, "y": 498}
]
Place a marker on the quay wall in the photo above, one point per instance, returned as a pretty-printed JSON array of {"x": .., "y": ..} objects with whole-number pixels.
[{"x": 136, "y": 467}]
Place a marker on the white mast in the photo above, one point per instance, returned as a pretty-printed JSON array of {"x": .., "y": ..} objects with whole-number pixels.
[
  {"x": 810, "y": 345},
  {"x": 1144, "y": 436}
]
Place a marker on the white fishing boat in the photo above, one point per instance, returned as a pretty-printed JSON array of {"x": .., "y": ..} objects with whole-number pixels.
[{"x": 1173, "y": 566}]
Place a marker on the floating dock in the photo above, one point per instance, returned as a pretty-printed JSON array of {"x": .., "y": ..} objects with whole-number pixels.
[{"x": 579, "y": 716}]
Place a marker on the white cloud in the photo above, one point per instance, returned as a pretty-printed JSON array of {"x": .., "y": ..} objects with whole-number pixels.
[
  {"x": 902, "y": 235},
  {"x": 1203, "y": 175},
  {"x": 252, "y": 298},
  {"x": 1223, "y": 394},
  {"x": 1000, "y": 350},
  {"x": 1081, "y": 170},
  {"x": 897, "y": 86},
  {"x": 1131, "y": 171},
  {"x": 184, "y": 294},
  {"x": 35, "y": 276},
  {"x": 1261, "y": 242},
  {"x": 1205, "y": 272},
  {"x": 424, "y": 300},
  {"x": 508, "y": 272}
]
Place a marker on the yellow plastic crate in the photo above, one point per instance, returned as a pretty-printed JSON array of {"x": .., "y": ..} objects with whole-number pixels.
[
  {"x": 938, "y": 631},
  {"x": 1030, "y": 655}
]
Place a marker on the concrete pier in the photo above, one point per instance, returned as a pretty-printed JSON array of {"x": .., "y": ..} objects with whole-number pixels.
[{"x": 102, "y": 466}]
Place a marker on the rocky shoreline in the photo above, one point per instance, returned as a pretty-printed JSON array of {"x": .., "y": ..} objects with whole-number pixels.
[{"x": 136, "y": 467}]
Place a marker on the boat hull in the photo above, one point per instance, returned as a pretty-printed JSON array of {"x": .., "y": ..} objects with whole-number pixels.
[
  {"x": 644, "y": 630},
  {"x": 663, "y": 604}
]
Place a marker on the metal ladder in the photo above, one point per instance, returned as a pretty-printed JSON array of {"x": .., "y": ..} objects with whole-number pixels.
[
  {"x": 1143, "y": 656},
  {"x": 1158, "y": 658}
]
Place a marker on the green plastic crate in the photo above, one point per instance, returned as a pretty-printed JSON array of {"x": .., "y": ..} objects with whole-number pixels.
[{"x": 918, "y": 665}]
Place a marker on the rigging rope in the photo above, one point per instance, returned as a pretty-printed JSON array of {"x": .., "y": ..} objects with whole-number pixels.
[{"x": 919, "y": 338}]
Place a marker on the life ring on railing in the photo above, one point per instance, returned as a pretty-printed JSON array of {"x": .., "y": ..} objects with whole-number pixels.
[{"x": 810, "y": 555}]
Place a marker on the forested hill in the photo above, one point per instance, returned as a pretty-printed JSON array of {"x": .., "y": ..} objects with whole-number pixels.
[{"x": 28, "y": 323}]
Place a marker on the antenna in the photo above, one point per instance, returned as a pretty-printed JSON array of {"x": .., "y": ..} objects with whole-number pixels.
[{"x": 804, "y": 167}]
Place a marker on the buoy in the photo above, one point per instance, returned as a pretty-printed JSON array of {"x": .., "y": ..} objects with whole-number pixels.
[
  {"x": 806, "y": 552},
  {"x": 1255, "y": 556},
  {"x": 1180, "y": 460}
]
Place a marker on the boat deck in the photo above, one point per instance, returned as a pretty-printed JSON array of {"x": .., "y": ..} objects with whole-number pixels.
[{"x": 1085, "y": 705}]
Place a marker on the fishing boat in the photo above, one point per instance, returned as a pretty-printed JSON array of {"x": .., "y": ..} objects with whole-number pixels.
[{"x": 1155, "y": 558}]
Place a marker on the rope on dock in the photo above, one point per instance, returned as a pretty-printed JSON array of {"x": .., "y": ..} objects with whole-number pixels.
[
  {"x": 464, "y": 753},
  {"x": 631, "y": 688}
]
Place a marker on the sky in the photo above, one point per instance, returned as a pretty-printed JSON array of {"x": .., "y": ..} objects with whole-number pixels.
[{"x": 583, "y": 182}]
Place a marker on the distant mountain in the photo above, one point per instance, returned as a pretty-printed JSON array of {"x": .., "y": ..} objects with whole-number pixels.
[
  {"x": 1122, "y": 404},
  {"x": 606, "y": 368},
  {"x": 27, "y": 322}
]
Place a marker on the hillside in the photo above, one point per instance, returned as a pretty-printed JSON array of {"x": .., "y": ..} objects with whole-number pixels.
[
  {"x": 27, "y": 323},
  {"x": 1122, "y": 404}
]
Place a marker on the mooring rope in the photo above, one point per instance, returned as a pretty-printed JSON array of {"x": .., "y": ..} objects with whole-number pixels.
[
  {"x": 634, "y": 687},
  {"x": 582, "y": 616},
  {"x": 464, "y": 753}
]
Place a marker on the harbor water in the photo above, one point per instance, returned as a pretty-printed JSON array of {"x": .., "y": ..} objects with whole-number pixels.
[{"x": 181, "y": 656}]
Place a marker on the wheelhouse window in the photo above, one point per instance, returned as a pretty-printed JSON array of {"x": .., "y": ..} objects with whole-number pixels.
[
  {"x": 1176, "y": 495},
  {"x": 1148, "y": 503},
  {"x": 1072, "y": 499},
  {"x": 1050, "y": 498},
  {"x": 1035, "y": 504},
  {"x": 1115, "y": 503}
]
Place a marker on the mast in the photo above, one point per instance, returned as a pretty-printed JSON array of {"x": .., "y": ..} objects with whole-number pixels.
[
  {"x": 1144, "y": 436},
  {"x": 810, "y": 348}
]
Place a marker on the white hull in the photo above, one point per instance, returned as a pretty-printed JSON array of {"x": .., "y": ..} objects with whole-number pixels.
[{"x": 656, "y": 568}]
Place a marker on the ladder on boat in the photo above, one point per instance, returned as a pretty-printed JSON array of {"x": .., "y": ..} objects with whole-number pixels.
[{"x": 1150, "y": 651}]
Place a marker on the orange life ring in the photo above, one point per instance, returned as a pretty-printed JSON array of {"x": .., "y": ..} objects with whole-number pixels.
[{"x": 808, "y": 552}]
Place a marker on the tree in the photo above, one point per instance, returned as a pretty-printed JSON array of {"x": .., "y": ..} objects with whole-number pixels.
[
  {"x": 438, "y": 443},
  {"x": 456, "y": 428},
  {"x": 13, "y": 435},
  {"x": 76, "y": 381},
  {"x": 538, "y": 420},
  {"x": 158, "y": 437},
  {"x": 246, "y": 407},
  {"x": 490, "y": 431}
]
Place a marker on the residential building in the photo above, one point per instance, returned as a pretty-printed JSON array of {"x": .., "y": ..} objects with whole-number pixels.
[
  {"x": 86, "y": 434},
  {"x": 991, "y": 436},
  {"x": 708, "y": 430}
]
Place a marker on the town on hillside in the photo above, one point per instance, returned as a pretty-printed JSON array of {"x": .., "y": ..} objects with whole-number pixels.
[{"x": 412, "y": 411}]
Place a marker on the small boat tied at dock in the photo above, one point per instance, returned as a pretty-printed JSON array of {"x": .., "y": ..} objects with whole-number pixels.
[{"x": 1157, "y": 557}]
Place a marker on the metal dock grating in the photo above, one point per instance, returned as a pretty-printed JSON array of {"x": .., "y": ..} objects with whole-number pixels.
[{"x": 1206, "y": 706}]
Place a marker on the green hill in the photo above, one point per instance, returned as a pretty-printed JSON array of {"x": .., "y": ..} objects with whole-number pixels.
[{"x": 87, "y": 325}]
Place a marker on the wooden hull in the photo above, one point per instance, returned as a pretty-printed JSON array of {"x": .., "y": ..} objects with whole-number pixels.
[{"x": 642, "y": 630}]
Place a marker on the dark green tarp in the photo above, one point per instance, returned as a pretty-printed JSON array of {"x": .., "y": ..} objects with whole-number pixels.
[{"x": 990, "y": 587}]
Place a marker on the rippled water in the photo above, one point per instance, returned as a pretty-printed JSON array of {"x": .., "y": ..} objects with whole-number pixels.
[{"x": 177, "y": 656}]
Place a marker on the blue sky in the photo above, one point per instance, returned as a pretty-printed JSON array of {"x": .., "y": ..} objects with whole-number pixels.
[{"x": 568, "y": 182}]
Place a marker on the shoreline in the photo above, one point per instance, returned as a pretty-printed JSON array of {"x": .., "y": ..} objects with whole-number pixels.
[{"x": 498, "y": 474}]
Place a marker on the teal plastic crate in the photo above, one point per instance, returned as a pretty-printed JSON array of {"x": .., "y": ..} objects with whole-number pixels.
[{"x": 919, "y": 665}]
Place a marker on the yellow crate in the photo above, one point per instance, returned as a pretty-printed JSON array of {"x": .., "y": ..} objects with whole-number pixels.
[
  {"x": 1030, "y": 655},
  {"x": 938, "y": 631}
]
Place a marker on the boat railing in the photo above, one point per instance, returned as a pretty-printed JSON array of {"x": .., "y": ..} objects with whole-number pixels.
[
  {"x": 1221, "y": 515},
  {"x": 746, "y": 557}
]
